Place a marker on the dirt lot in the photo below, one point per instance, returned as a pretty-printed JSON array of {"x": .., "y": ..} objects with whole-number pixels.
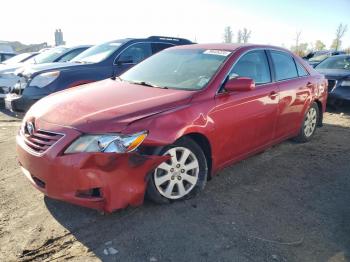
[{"x": 290, "y": 203}]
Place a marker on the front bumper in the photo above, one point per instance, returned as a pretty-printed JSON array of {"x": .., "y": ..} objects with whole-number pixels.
[
  {"x": 18, "y": 103},
  {"x": 114, "y": 180},
  {"x": 336, "y": 91}
]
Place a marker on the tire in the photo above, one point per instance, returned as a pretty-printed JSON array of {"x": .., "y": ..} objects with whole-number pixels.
[
  {"x": 309, "y": 125},
  {"x": 178, "y": 179}
]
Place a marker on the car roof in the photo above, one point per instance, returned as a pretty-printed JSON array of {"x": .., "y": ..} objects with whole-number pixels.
[
  {"x": 342, "y": 55},
  {"x": 168, "y": 39},
  {"x": 75, "y": 46},
  {"x": 228, "y": 47}
]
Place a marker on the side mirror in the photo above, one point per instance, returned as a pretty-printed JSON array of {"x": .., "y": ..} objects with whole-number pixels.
[{"x": 240, "y": 84}]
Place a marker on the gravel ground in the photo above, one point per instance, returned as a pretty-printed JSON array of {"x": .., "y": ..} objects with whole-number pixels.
[{"x": 290, "y": 203}]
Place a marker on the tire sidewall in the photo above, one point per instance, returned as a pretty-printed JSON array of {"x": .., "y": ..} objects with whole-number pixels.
[
  {"x": 302, "y": 131},
  {"x": 152, "y": 191}
]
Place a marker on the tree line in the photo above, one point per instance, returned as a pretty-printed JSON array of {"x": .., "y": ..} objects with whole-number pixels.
[
  {"x": 243, "y": 35},
  {"x": 299, "y": 47}
]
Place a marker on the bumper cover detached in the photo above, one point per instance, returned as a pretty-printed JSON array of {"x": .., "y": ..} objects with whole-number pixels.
[{"x": 103, "y": 181}]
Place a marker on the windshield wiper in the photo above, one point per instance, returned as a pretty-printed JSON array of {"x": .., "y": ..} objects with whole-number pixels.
[
  {"x": 81, "y": 62},
  {"x": 143, "y": 83},
  {"x": 117, "y": 78}
]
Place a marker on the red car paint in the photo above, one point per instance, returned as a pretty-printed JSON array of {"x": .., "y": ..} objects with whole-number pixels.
[{"x": 235, "y": 125}]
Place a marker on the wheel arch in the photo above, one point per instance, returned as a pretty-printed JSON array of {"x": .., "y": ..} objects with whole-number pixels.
[
  {"x": 204, "y": 143},
  {"x": 320, "y": 112}
]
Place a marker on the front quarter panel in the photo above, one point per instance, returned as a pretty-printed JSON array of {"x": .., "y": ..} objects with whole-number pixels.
[{"x": 167, "y": 127}]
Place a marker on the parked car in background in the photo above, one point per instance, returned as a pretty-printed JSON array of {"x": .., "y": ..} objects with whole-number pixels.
[
  {"x": 99, "y": 62},
  {"x": 168, "y": 124},
  {"x": 8, "y": 78},
  {"x": 18, "y": 59},
  {"x": 337, "y": 70},
  {"x": 314, "y": 58},
  {"x": 5, "y": 56},
  {"x": 6, "y": 51}
]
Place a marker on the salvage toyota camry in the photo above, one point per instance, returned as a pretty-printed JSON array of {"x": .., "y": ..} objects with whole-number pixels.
[{"x": 168, "y": 124}]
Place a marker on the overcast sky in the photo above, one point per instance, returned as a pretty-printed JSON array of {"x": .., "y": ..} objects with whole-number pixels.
[{"x": 90, "y": 21}]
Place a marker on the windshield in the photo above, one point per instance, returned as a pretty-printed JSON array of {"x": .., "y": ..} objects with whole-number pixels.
[
  {"x": 17, "y": 59},
  {"x": 97, "y": 53},
  {"x": 335, "y": 62},
  {"x": 319, "y": 58},
  {"x": 189, "y": 69},
  {"x": 48, "y": 56}
]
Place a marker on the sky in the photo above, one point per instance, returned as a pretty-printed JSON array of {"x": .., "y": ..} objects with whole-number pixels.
[{"x": 94, "y": 21}]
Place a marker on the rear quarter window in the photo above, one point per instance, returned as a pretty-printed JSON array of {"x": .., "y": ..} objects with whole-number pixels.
[{"x": 301, "y": 70}]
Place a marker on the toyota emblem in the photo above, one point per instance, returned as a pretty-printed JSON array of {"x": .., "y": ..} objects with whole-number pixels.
[{"x": 30, "y": 128}]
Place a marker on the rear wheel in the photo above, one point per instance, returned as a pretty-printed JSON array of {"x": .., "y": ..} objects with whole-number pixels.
[
  {"x": 309, "y": 125},
  {"x": 182, "y": 176}
]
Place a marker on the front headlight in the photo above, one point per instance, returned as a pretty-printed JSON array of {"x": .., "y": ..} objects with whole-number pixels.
[
  {"x": 345, "y": 83},
  {"x": 110, "y": 143},
  {"x": 44, "y": 79}
]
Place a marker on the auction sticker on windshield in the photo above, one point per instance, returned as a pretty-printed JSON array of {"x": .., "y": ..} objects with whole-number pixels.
[{"x": 217, "y": 52}]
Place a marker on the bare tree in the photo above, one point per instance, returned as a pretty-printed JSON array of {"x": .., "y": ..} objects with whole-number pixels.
[
  {"x": 339, "y": 33},
  {"x": 228, "y": 34},
  {"x": 297, "y": 39},
  {"x": 246, "y": 35},
  {"x": 239, "y": 36}
]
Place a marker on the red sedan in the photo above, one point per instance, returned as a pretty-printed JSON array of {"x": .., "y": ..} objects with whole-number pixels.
[{"x": 168, "y": 124}]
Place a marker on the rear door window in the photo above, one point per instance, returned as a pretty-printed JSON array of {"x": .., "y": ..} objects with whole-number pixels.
[
  {"x": 135, "y": 53},
  {"x": 253, "y": 65},
  {"x": 284, "y": 65}
]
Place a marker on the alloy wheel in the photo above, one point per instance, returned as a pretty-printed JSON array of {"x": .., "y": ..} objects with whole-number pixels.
[
  {"x": 176, "y": 177},
  {"x": 310, "y": 122}
]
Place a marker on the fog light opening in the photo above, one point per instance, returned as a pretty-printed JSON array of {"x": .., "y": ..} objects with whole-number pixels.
[
  {"x": 39, "y": 182},
  {"x": 89, "y": 193}
]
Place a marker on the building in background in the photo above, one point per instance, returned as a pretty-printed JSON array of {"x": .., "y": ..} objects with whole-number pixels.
[{"x": 59, "y": 37}]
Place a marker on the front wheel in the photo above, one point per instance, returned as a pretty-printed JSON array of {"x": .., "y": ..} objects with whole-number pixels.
[
  {"x": 182, "y": 176},
  {"x": 309, "y": 125}
]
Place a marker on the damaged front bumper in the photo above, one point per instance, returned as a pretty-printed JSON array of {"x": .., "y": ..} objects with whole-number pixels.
[{"x": 103, "y": 181}]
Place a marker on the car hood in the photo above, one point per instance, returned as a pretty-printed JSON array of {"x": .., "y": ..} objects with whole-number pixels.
[
  {"x": 32, "y": 69},
  {"x": 334, "y": 73},
  {"x": 106, "y": 106}
]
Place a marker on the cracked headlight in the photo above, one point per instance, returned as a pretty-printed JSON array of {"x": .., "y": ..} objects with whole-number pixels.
[
  {"x": 44, "y": 79},
  {"x": 110, "y": 143}
]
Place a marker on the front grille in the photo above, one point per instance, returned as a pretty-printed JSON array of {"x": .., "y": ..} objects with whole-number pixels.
[
  {"x": 41, "y": 140},
  {"x": 331, "y": 84}
]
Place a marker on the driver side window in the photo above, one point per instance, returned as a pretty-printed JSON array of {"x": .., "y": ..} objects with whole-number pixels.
[
  {"x": 135, "y": 53},
  {"x": 253, "y": 65}
]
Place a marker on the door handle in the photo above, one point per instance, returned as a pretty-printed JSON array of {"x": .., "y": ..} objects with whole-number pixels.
[
  {"x": 309, "y": 85},
  {"x": 273, "y": 95}
]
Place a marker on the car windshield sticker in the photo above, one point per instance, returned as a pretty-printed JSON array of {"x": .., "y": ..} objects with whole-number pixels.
[
  {"x": 217, "y": 52},
  {"x": 203, "y": 81}
]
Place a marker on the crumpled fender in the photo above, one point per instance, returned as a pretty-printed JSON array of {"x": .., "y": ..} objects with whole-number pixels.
[{"x": 122, "y": 177}]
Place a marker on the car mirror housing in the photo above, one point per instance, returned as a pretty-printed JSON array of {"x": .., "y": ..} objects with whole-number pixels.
[{"x": 239, "y": 84}]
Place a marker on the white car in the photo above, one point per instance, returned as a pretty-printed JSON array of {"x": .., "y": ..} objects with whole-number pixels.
[{"x": 7, "y": 77}]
